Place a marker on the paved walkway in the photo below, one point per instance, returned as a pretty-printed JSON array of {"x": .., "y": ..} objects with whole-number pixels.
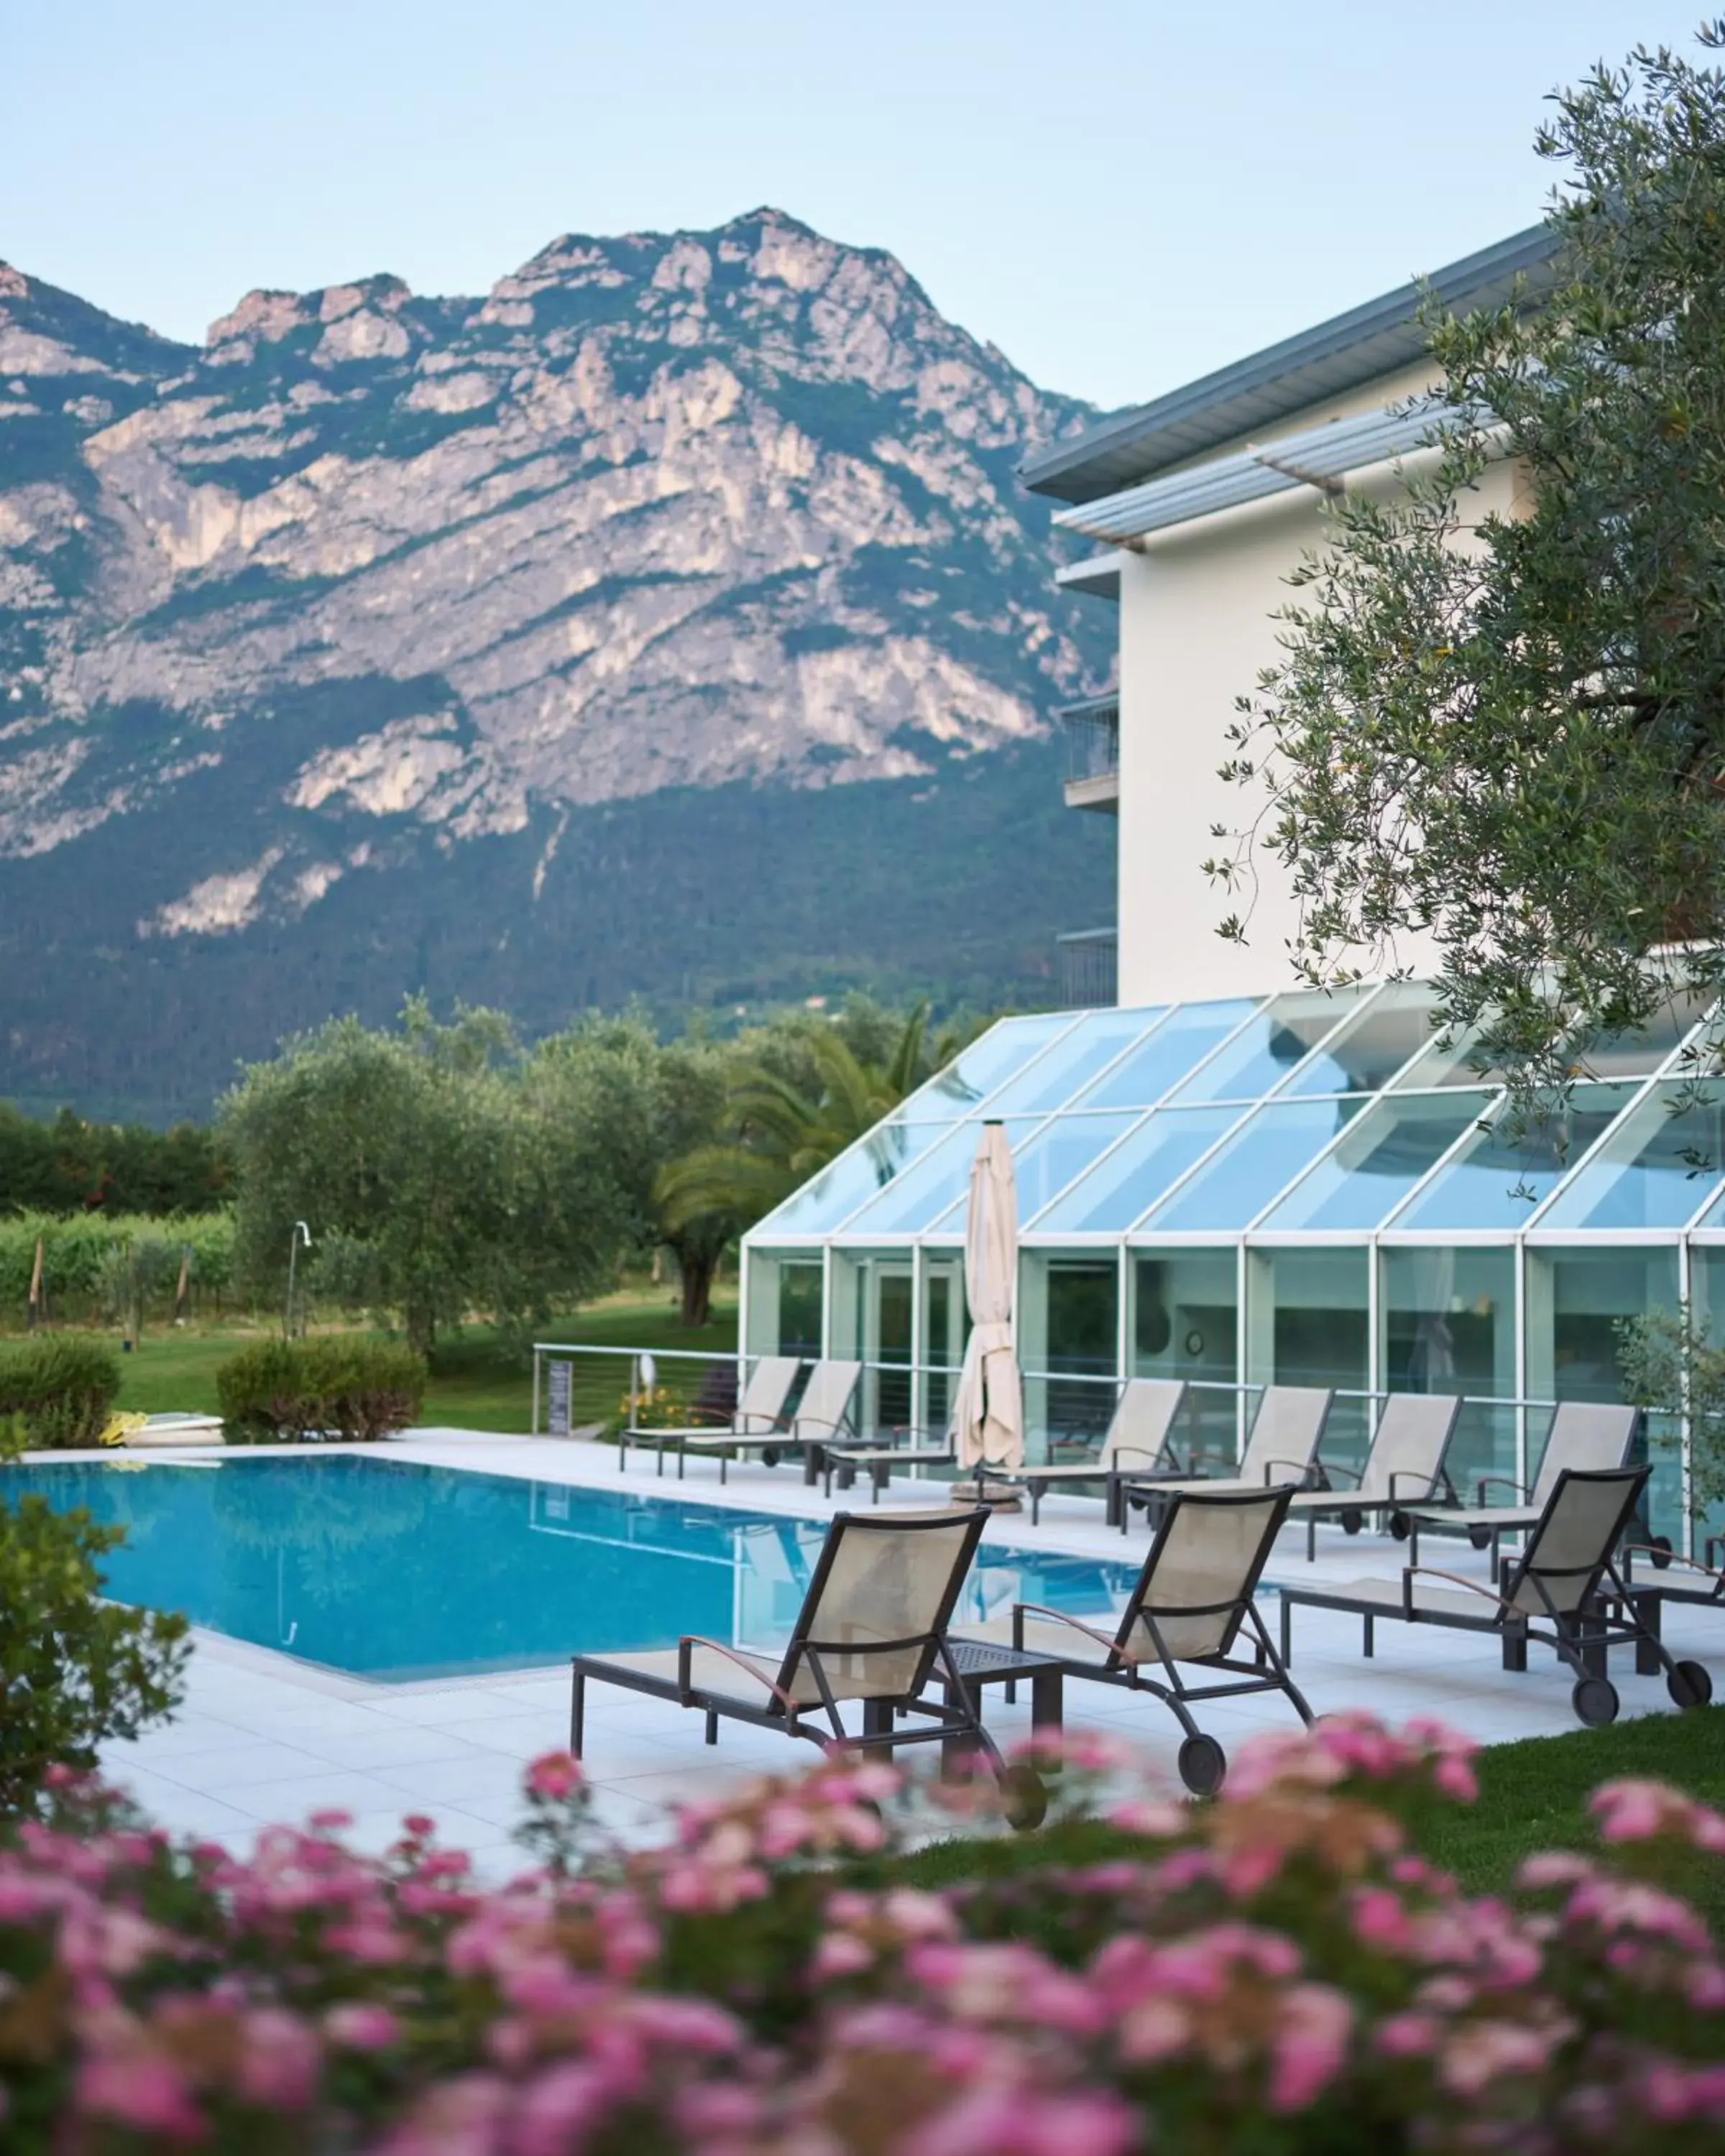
[{"x": 262, "y": 1737}]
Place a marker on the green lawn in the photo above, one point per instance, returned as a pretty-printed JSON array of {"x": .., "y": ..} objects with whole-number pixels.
[
  {"x": 476, "y": 1383},
  {"x": 1533, "y": 1796}
]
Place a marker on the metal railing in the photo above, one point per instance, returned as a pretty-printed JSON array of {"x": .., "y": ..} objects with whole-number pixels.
[
  {"x": 1067, "y": 1411},
  {"x": 1089, "y": 961},
  {"x": 1092, "y": 731}
]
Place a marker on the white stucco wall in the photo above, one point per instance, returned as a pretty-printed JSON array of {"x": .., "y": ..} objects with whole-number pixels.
[{"x": 1197, "y": 627}]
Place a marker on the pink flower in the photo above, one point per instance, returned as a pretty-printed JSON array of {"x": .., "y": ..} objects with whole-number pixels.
[
  {"x": 555, "y": 1776},
  {"x": 1310, "y": 2047},
  {"x": 139, "y": 2089},
  {"x": 360, "y": 2027},
  {"x": 280, "y": 2061}
]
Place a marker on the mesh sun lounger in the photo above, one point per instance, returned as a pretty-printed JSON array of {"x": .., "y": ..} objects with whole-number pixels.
[
  {"x": 1139, "y": 1441},
  {"x": 1282, "y": 1448},
  {"x": 1556, "y": 1593},
  {"x": 1585, "y": 1435},
  {"x": 1189, "y": 1605},
  {"x": 872, "y": 1630},
  {"x": 1404, "y": 1466},
  {"x": 757, "y": 1423}
]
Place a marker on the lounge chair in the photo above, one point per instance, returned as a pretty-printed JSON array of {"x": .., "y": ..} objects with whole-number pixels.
[
  {"x": 1282, "y": 1448},
  {"x": 1584, "y": 1436},
  {"x": 1693, "y": 1583},
  {"x": 1189, "y": 1605},
  {"x": 757, "y": 1424},
  {"x": 1565, "y": 1576},
  {"x": 840, "y": 1461},
  {"x": 872, "y": 1629},
  {"x": 1139, "y": 1441},
  {"x": 1404, "y": 1466}
]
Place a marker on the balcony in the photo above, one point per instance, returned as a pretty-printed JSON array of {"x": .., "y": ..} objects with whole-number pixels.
[
  {"x": 1092, "y": 732},
  {"x": 1089, "y": 967}
]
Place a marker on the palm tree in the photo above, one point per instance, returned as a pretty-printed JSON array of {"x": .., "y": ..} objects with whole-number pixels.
[{"x": 784, "y": 1134}]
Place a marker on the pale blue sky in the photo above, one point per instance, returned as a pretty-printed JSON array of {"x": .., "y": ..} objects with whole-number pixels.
[{"x": 1121, "y": 193}]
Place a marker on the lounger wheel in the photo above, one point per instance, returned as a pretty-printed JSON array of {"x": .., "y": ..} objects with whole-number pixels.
[
  {"x": 1353, "y": 1520},
  {"x": 1480, "y": 1538},
  {"x": 1023, "y": 1797},
  {"x": 1660, "y": 1546},
  {"x": 1400, "y": 1526},
  {"x": 1595, "y": 1700},
  {"x": 770, "y": 1455},
  {"x": 1689, "y": 1685},
  {"x": 1204, "y": 1764}
]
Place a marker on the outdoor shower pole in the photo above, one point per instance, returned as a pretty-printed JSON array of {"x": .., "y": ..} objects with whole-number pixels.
[{"x": 301, "y": 1231}]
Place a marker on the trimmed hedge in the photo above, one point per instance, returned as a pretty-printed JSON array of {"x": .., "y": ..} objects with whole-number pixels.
[
  {"x": 287, "y": 1391},
  {"x": 61, "y": 1385}
]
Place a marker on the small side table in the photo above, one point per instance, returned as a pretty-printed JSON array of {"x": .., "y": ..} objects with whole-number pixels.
[{"x": 981, "y": 1662}]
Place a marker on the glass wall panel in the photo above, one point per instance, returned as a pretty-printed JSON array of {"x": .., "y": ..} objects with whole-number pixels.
[
  {"x": 1577, "y": 1299},
  {"x": 1309, "y": 1326},
  {"x": 1069, "y": 1347},
  {"x": 1132, "y": 1177},
  {"x": 916, "y": 1198},
  {"x": 1264, "y": 1051},
  {"x": 871, "y": 1322},
  {"x": 1186, "y": 1324},
  {"x": 1500, "y": 1175},
  {"x": 988, "y": 1061},
  {"x": 1449, "y": 1320},
  {"x": 1057, "y": 1155},
  {"x": 825, "y": 1203},
  {"x": 784, "y": 1306},
  {"x": 1263, "y": 1155},
  {"x": 1706, "y": 1293},
  {"x": 1189, "y": 1032},
  {"x": 1053, "y": 1080},
  {"x": 1656, "y": 1170},
  {"x": 946, "y": 1326},
  {"x": 1369, "y": 1050},
  {"x": 1378, "y": 1161}
]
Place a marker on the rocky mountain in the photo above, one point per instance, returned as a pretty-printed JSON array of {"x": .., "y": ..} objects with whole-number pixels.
[{"x": 668, "y": 622}]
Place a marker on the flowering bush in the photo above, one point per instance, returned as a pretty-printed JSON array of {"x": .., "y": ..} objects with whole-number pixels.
[{"x": 1278, "y": 1972}]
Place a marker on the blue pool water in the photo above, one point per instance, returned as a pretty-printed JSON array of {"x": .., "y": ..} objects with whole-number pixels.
[{"x": 391, "y": 1571}]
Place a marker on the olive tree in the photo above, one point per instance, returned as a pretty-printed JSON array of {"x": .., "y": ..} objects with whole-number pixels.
[{"x": 1507, "y": 730}]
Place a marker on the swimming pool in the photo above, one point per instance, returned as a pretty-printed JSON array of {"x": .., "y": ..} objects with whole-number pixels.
[{"x": 391, "y": 1571}]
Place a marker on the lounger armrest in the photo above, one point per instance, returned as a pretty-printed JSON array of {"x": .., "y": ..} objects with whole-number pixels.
[
  {"x": 1020, "y": 1610},
  {"x": 1428, "y": 1483},
  {"x": 800, "y": 1422},
  {"x": 1503, "y": 1481},
  {"x": 1153, "y": 1453},
  {"x": 1303, "y": 1471},
  {"x": 1456, "y": 1578},
  {"x": 685, "y": 1655},
  {"x": 750, "y": 1423}
]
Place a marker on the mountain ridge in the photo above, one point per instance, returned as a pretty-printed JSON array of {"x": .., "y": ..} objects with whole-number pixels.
[{"x": 392, "y": 578}]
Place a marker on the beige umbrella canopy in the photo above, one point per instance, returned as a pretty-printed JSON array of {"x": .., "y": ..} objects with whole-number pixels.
[{"x": 988, "y": 1417}]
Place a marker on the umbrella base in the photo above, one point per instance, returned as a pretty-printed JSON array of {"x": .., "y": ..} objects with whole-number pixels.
[{"x": 1003, "y": 1497}]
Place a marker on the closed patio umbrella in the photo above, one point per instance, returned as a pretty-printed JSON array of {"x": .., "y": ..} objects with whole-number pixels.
[{"x": 988, "y": 1416}]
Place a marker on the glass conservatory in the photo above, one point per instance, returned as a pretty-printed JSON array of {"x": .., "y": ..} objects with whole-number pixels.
[{"x": 1306, "y": 1188}]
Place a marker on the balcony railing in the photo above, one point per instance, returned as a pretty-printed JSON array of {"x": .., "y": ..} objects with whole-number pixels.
[
  {"x": 1089, "y": 967},
  {"x": 1093, "y": 736}
]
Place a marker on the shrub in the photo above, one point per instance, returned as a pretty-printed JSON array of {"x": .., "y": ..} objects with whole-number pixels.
[
  {"x": 60, "y": 1385},
  {"x": 1276, "y": 1972},
  {"x": 333, "y": 1385},
  {"x": 74, "y": 1670}
]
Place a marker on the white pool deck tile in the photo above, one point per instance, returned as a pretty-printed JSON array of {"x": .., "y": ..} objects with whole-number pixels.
[{"x": 262, "y": 1738}]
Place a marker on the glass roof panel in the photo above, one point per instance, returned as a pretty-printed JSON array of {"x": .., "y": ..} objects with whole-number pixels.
[
  {"x": 1380, "y": 1160},
  {"x": 1130, "y": 1181},
  {"x": 1264, "y": 1051},
  {"x": 989, "y": 1061},
  {"x": 1190, "y": 1031},
  {"x": 1498, "y": 1178},
  {"x": 915, "y": 1199},
  {"x": 837, "y": 1191},
  {"x": 1263, "y": 1155},
  {"x": 1656, "y": 1169},
  {"x": 1046, "y": 1164},
  {"x": 1072, "y": 1062},
  {"x": 1365, "y": 1054},
  {"x": 1611, "y": 1055}
]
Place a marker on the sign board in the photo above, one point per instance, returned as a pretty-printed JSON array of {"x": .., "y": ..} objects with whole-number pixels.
[{"x": 557, "y": 1398}]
